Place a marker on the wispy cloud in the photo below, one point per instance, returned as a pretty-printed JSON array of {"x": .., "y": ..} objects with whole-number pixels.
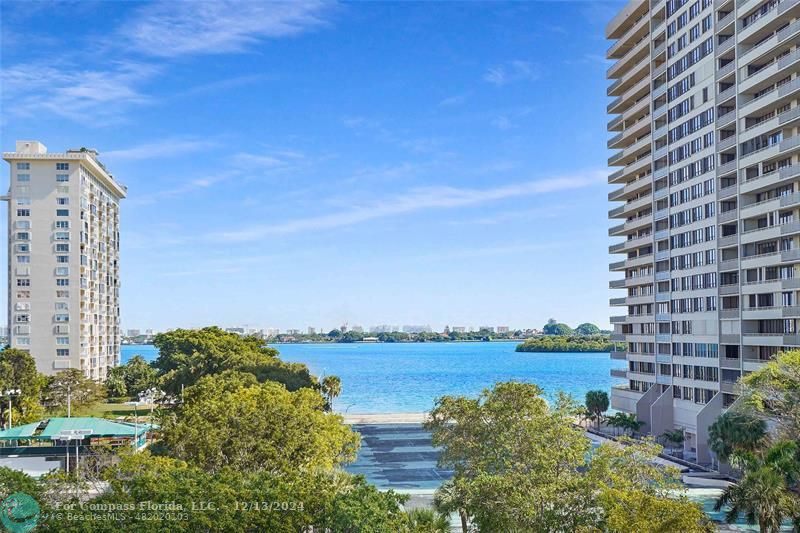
[
  {"x": 171, "y": 29},
  {"x": 170, "y": 147},
  {"x": 454, "y": 100},
  {"x": 227, "y": 84},
  {"x": 512, "y": 71},
  {"x": 418, "y": 199},
  {"x": 79, "y": 94}
]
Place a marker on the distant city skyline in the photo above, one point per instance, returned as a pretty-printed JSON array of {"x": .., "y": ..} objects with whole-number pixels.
[{"x": 324, "y": 162}]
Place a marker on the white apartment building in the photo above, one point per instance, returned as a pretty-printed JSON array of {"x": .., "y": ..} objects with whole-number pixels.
[
  {"x": 63, "y": 259},
  {"x": 706, "y": 201}
]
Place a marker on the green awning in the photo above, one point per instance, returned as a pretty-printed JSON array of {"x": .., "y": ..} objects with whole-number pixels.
[{"x": 19, "y": 432}]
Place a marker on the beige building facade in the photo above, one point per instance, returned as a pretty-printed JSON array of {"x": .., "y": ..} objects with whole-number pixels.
[
  {"x": 705, "y": 127},
  {"x": 63, "y": 259}
]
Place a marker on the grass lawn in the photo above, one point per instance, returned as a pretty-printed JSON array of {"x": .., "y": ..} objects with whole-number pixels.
[{"x": 114, "y": 410}]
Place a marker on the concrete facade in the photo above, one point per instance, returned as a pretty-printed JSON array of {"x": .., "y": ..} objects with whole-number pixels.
[
  {"x": 706, "y": 201},
  {"x": 63, "y": 259}
]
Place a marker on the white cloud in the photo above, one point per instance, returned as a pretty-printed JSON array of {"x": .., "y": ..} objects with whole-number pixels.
[
  {"x": 83, "y": 95},
  {"x": 159, "y": 149},
  {"x": 455, "y": 100},
  {"x": 419, "y": 199},
  {"x": 171, "y": 29},
  {"x": 512, "y": 71}
]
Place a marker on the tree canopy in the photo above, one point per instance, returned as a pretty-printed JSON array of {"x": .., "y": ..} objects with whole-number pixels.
[
  {"x": 568, "y": 343},
  {"x": 187, "y": 355},
  {"x": 587, "y": 328},
  {"x": 230, "y": 420},
  {"x": 522, "y": 465},
  {"x": 556, "y": 328}
]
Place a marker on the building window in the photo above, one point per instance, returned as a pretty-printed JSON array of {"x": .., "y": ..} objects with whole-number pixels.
[
  {"x": 23, "y": 212},
  {"x": 62, "y": 283},
  {"x": 62, "y": 236},
  {"x": 23, "y": 166},
  {"x": 62, "y": 178},
  {"x": 62, "y": 166},
  {"x": 23, "y": 317},
  {"x": 62, "y": 201},
  {"x": 23, "y": 294},
  {"x": 62, "y": 271},
  {"x": 23, "y": 200},
  {"x": 23, "y": 236},
  {"x": 23, "y": 189},
  {"x": 62, "y": 259},
  {"x": 62, "y": 306},
  {"x": 62, "y": 212},
  {"x": 61, "y": 317},
  {"x": 23, "y": 177},
  {"x": 23, "y": 259},
  {"x": 62, "y": 224},
  {"x": 62, "y": 247},
  {"x": 23, "y": 283},
  {"x": 62, "y": 340},
  {"x": 23, "y": 341},
  {"x": 62, "y": 189},
  {"x": 22, "y": 248},
  {"x": 62, "y": 352},
  {"x": 62, "y": 294}
]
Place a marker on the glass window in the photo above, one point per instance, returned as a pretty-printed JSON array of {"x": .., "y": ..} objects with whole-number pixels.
[
  {"x": 61, "y": 178},
  {"x": 23, "y": 212},
  {"x": 62, "y": 201},
  {"x": 62, "y": 235},
  {"x": 62, "y": 166},
  {"x": 62, "y": 282},
  {"x": 62, "y": 247},
  {"x": 62, "y": 352},
  {"x": 23, "y": 166},
  {"x": 62, "y": 212},
  {"x": 23, "y": 248},
  {"x": 23, "y": 200},
  {"x": 62, "y": 259},
  {"x": 62, "y": 317},
  {"x": 62, "y": 271},
  {"x": 23, "y": 177},
  {"x": 62, "y": 340},
  {"x": 23, "y": 259}
]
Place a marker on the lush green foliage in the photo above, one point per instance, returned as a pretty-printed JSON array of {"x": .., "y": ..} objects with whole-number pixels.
[
  {"x": 521, "y": 465},
  {"x": 18, "y": 371},
  {"x": 185, "y": 356},
  {"x": 736, "y": 432},
  {"x": 230, "y": 420},
  {"x": 572, "y": 343},
  {"x": 774, "y": 391},
  {"x": 135, "y": 376},
  {"x": 587, "y": 329},
  {"x": 72, "y": 387},
  {"x": 596, "y": 404},
  {"x": 555, "y": 328}
]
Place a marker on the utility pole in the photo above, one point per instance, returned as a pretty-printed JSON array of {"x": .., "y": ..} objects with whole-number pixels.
[
  {"x": 69, "y": 400},
  {"x": 10, "y": 393}
]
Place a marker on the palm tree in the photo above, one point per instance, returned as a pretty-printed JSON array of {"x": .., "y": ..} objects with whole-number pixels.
[
  {"x": 450, "y": 499},
  {"x": 762, "y": 497},
  {"x": 331, "y": 387},
  {"x": 675, "y": 437},
  {"x": 617, "y": 421},
  {"x": 736, "y": 432},
  {"x": 427, "y": 521},
  {"x": 597, "y": 403},
  {"x": 632, "y": 423}
]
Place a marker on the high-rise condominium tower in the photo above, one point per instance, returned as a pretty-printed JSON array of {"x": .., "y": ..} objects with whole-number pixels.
[
  {"x": 63, "y": 259},
  {"x": 705, "y": 122}
]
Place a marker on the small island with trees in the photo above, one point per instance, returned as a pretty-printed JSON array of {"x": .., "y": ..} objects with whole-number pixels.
[{"x": 559, "y": 337}]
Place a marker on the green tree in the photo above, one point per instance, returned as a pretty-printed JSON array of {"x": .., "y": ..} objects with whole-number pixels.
[
  {"x": 735, "y": 432},
  {"x": 555, "y": 328},
  {"x": 18, "y": 371},
  {"x": 675, "y": 437},
  {"x": 70, "y": 390},
  {"x": 331, "y": 388},
  {"x": 187, "y": 355},
  {"x": 764, "y": 495},
  {"x": 229, "y": 420},
  {"x": 427, "y": 521},
  {"x": 139, "y": 375},
  {"x": 597, "y": 403},
  {"x": 774, "y": 389},
  {"x": 451, "y": 497},
  {"x": 587, "y": 328},
  {"x": 335, "y": 333},
  {"x": 115, "y": 382}
]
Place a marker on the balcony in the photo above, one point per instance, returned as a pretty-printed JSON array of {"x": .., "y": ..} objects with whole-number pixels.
[
  {"x": 789, "y": 144},
  {"x": 619, "y": 373},
  {"x": 725, "y": 71},
  {"x": 726, "y": 143},
  {"x": 621, "y": 355},
  {"x": 726, "y": 168},
  {"x": 727, "y": 216},
  {"x": 727, "y": 44}
]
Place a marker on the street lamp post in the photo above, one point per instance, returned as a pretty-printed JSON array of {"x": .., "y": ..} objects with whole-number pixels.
[{"x": 10, "y": 393}]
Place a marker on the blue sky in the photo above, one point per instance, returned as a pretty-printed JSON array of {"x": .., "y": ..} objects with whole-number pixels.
[{"x": 319, "y": 163}]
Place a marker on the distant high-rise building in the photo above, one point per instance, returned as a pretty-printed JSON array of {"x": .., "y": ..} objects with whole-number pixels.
[
  {"x": 417, "y": 329},
  {"x": 459, "y": 329},
  {"x": 134, "y": 332},
  {"x": 486, "y": 328},
  {"x": 238, "y": 331},
  {"x": 312, "y": 331},
  {"x": 384, "y": 328},
  {"x": 705, "y": 125},
  {"x": 293, "y": 332},
  {"x": 63, "y": 253},
  {"x": 502, "y": 329}
]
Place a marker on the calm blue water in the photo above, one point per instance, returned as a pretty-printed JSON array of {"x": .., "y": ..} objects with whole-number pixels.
[{"x": 408, "y": 377}]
